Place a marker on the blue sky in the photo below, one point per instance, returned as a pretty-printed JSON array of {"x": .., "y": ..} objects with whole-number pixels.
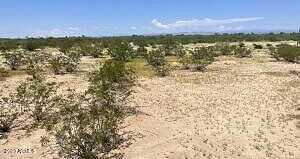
[{"x": 20, "y": 18}]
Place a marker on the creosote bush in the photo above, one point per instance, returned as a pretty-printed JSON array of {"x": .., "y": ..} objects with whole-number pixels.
[
  {"x": 92, "y": 49},
  {"x": 242, "y": 52},
  {"x": 34, "y": 62},
  {"x": 8, "y": 114},
  {"x": 157, "y": 59},
  {"x": 61, "y": 62},
  {"x": 38, "y": 99},
  {"x": 184, "y": 58},
  {"x": 121, "y": 51},
  {"x": 288, "y": 53},
  {"x": 14, "y": 59},
  {"x": 90, "y": 124},
  {"x": 201, "y": 58},
  {"x": 224, "y": 48}
]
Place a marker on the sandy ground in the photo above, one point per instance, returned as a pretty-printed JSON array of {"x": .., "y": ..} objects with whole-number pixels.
[{"x": 238, "y": 108}]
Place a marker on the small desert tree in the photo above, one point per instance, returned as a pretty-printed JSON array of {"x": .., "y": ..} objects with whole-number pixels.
[
  {"x": 157, "y": 59},
  {"x": 201, "y": 58}
]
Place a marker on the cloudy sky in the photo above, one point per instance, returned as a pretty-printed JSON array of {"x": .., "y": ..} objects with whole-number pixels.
[{"x": 20, "y": 18}]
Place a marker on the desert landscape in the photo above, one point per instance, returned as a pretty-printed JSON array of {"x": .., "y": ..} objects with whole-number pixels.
[
  {"x": 235, "y": 108},
  {"x": 155, "y": 79}
]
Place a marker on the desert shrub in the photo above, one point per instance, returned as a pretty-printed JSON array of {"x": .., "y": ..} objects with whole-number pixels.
[
  {"x": 38, "y": 99},
  {"x": 269, "y": 45},
  {"x": 92, "y": 49},
  {"x": 224, "y": 48},
  {"x": 121, "y": 51},
  {"x": 14, "y": 59},
  {"x": 184, "y": 58},
  {"x": 8, "y": 114},
  {"x": 90, "y": 123},
  {"x": 242, "y": 52},
  {"x": 273, "y": 52},
  {"x": 89, "y": 129},
  {"x": 288, "y": 53},
  {"x": 141, "y": 51},
  {"x": 257, "y": 46},
  {"x": 3, "y": 73},
  {"x": 65, "y": 46},
  {"x": 157, "y": 59},
  {"x": 31, "y": 46},
  {"x": 73, "y": 61},
  {"x": 35, "y": 62},
  {"x": 112, "y": 81},
  {"x": 201, "y": 58},
  {"x": 61, "y": 63}
]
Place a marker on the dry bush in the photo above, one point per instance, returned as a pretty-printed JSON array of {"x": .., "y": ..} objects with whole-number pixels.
[
  {"x": 61, "y": 62},
  {"x": 90, "y": 123},
  {"x": 288, "y": 53},
  {"x": 224, "y": 48},
  {"x": 157, "y": 59},
  {"x": 35, "y": 63},
  {"x": 242, "y": 52},
  {"x": 39, "y": 100},
  {"x": 201, "y": 58},
  {"x": 184, "y": 58},
  {"x": 9, "y": 112},
  {"x": 121, "y": 51},
  {"x": 14, "y": 59}
]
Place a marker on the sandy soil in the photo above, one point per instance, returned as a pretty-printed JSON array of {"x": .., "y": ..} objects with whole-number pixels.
[{"x": 238, "y": 108}]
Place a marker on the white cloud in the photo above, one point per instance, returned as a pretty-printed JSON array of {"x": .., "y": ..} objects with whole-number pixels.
[
  {"x": 73, "y": 29},
  {"x": 196, "y": 23},
  {"x": 133, "y": 28}
]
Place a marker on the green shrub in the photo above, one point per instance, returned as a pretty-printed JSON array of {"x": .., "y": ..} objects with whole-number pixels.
[
  {"x": 38, "y": 100},
  {"x": 61, "y": 63},
  {"x": 89, "y": 128},
  {"x": 289, "y": 53},
  {"x": 14, "y": 59},
  {"x": 201, "y": 58},
  {"x": 121, "y": 51},
  {"x": 35, "y": 62},
  {"x": 141, "y": 51},
  {"x": 8, "y": 114},
  {"x": 184, "y": 58},
  {"x": 257, "y": 46},
  {"x": 224, "y": 48},
  {"x": 95, "y": 117},
  {"x": 242, "y": 52},
  {"x": 157, "y": 59},
  {"x": 112, "y": 81},
  {"x": 92, "y": 49}
]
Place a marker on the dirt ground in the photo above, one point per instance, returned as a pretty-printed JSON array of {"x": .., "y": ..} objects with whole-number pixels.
[{"x": 237, "y": 108}]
